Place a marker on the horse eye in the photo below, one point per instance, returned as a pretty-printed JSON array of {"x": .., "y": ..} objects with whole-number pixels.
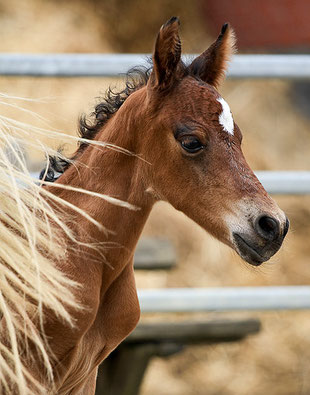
[{"x": 191, "y": 144}]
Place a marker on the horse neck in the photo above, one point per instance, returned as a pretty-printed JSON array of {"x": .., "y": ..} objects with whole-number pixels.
[{"x": 116, "y": 174}]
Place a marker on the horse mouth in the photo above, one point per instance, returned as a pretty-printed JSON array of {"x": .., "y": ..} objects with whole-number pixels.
[{"x": 248, "y": 252}]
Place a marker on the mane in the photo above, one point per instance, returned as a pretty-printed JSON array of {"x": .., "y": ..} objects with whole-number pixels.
[
  {"x": 90, "y": 125},
  {"x": 34, "y": 238}
]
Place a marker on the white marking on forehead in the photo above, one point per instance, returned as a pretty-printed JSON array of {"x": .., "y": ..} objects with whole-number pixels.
[{"x": 225, "y": 118}]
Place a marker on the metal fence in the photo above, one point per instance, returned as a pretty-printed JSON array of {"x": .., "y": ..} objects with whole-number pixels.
[
  {"x": 275, "y": 182},
  {"x": 186, "y": 300},
  {"x": 109, "y": 65},
  {"x": 285, "y": 182}
]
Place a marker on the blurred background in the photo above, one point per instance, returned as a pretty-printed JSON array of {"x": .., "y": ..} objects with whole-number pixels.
[{"x": 274, "y": 118}]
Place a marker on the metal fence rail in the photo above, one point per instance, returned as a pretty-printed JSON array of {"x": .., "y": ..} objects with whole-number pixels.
[
  {"x": 285, "y": 182},
  {"x": 187, "y": 300},
  {"x": 276, "y": 182},
  {"x": 82, "y": 65}
]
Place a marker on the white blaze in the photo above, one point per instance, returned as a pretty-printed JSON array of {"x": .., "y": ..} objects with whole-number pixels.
[{"x": 225, "y": 118}]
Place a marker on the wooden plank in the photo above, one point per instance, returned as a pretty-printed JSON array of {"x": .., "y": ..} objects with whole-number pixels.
[
  {"x": 154, "y": 254},
  {"x": 191, "y": 332},
  {"x": 122, "y": 373}
]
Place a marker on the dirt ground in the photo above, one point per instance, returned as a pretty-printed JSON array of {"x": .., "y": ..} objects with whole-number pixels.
[{"x": 276, "y": 137}]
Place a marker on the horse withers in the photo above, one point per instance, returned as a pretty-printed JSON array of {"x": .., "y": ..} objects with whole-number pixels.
[{"x": 169, "y": 135}]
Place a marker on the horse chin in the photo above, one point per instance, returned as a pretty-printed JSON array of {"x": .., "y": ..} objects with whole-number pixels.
[{"x": 250, "y": 252}]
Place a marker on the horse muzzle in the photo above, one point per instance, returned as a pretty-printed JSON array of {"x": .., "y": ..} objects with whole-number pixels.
[{"x": 265, "y": 240}]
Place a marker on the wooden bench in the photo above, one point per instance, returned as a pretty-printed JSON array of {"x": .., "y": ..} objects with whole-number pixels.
[
  {"x": 154, "y": 254},
  {"x": 122, "y": 372}
]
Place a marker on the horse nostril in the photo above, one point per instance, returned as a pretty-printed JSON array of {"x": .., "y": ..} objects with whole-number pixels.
[{"x": 267, "y": 227}]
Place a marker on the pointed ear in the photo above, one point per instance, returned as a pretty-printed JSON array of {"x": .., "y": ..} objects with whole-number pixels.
[
  {"x": 167, "y": 55},
  {"x": 211, "y": 65}
]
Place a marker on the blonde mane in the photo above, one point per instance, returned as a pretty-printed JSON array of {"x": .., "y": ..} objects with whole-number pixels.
[{"x": 30, "y": 283}]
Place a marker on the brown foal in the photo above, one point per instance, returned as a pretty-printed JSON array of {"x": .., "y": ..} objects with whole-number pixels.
[{"x": 186, "y": 151}]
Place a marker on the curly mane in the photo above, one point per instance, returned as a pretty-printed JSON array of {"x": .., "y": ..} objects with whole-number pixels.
[{"x": 89, "y": 126}]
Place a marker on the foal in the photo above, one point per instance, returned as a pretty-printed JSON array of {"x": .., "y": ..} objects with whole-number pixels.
[{"x": 186, "y": 150}]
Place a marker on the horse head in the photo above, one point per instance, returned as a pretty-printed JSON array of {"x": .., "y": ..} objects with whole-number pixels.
[{"x": 194, "y": 147}]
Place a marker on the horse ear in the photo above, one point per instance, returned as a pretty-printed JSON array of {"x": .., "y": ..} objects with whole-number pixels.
[
  {"x": 211, "y": 65},
  {"x": 167, "y": 54}
]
